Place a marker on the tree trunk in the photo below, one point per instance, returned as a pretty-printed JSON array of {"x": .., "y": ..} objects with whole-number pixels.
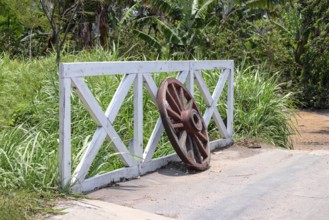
[
  {"x": 103, "y": 24},
  {"x": 85, "y": 38}
]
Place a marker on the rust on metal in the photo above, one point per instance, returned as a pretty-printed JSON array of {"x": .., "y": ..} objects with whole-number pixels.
[{"x": 184, "y": 124}]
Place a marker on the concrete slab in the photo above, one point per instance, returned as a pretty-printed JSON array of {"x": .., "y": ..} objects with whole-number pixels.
[
  {"x": 241, "y": 184},
  {"x": 99, "y": 210}
]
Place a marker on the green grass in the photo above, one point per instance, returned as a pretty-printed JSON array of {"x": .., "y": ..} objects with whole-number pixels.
[
  {"x": 29, "y": 120},
  {"x": 261, "y": 110},
  {"x": 17, "y": 205}
]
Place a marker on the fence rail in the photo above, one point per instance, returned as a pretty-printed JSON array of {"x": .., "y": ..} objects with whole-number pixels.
[{"x": 137, "y": 74}]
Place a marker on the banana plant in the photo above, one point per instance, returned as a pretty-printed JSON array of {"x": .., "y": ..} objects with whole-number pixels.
[
  {"x": 181, "y": 25},
  {"x": 262, "y": 4}
]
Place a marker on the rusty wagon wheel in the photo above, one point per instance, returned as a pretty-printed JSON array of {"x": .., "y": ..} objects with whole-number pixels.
[{"x": 184, "y": 124}]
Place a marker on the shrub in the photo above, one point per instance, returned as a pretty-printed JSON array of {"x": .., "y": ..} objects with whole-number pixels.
[
  {"x": 262, "y": 111},
  {"x": 314, "y": 80}
]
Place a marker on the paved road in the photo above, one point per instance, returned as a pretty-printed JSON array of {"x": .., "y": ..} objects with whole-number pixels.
[{"x": 241, "y": 184}]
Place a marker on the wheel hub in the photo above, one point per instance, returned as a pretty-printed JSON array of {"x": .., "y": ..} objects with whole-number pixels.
[{"x": 191, "y": 121}]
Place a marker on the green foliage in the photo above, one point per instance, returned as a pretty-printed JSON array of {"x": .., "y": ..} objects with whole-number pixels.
[
  {"x": 10, "y": 29},
  {"x": 314, "y": 79},
  {"x": 182, "y": 33},
  {"x": 269, "y": 4},
  {"x": 21, "y": 26},
  {"x": 261, "y": 110},
  {"x": 20, "y": 83},
  {"x": 28, "y": 13},
  {"x": 28, "y": 158}
]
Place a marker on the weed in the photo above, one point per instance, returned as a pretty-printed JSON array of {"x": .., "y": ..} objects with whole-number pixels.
[{"x": 15, "y": 205}]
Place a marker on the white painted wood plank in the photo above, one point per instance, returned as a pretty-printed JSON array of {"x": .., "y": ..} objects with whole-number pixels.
[
  {"x": 182, "y": 76},
  {"x": 99, "y": 136},
  {"x": 190, "y": 82},
  {"x": 211, "y": 64},
  {"x": 97, "y": 113},
  {"x": 230, "y": 102},
  {"x": 203, "y": 88},
  {"x": 153, "y": 141},
  {"x": 137, "y": 148},
  {"x": 64, "y": 129},
  {"x": 119, "y": 96},
  {"x": 105, "y": 179},
  {"x": 220, "y": 124},
  {"x": 213, "y": 111},
  {"x": 88, "y": 100},
  {"x": 208, "y": 114},
  {"x": 220, "y": 85},
  {"x": 110, "y": 68},
  {"x": 150, "y": 86},
  {"x": 220, "y": 143},
  {"x": 157, "y": 163},
  {"x": 126, "y": 173},
  {"x": 89, "y": 155}
]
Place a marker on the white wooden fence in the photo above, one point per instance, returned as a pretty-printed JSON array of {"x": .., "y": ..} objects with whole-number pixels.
[{"x": 137, "y": 74}]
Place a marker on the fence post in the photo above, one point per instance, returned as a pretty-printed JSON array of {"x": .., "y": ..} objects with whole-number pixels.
[
  {"x": 137, "y": 148},
  {"x": 190, "y": 79},
  {"x": 230, "y": 100},
  {"x": 64, "y": 128}
]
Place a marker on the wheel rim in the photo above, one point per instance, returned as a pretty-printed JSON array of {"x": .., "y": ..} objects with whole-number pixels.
[{"x": 184, "y": 124}]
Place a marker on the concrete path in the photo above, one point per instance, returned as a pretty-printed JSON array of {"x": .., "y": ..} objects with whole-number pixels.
[
  {"x": 88, "y": 209},
  {"x": 272, "y": 184}
]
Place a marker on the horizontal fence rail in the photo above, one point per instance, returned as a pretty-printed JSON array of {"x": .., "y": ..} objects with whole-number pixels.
[{"x": 137, "y": 74}]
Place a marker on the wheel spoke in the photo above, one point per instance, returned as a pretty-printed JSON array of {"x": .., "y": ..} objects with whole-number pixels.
[
  {"x": 177, "y": 125},
  {"x": 189, "y": 104},
  {"x": 200, "y": 145},
  {"x": 182, "y": 97},
  {"x": 172, "y": 102},
  {"x": 202, "y": 137},
  {"x": 175, "y": 95},
  {"x": 196, "y": 151},
  {"x": 182, "y": 140},
  {"x": 173, "y": 114},
  {"x": 189, "y": 149}
]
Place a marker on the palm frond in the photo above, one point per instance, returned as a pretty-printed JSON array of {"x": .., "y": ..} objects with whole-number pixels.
[
  {"x": 169, "y": 33},
  {"x": 203, "y": 10},
  {"x": 130, "y": 13},
  {"x": 280, "y": 26},
  {"x": 148, "y": 39},
  {"x": 195, "y": 6},
  {"x": 268, "y": 4},
  {"x": 162, "y": 5}
]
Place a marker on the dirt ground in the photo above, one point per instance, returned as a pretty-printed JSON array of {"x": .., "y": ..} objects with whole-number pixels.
[{"x": 313, "y": 127}]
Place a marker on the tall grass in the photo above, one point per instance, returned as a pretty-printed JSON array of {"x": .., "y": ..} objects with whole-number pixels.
[
  {"x": 261, "y": 109},
  {"x": 29, "y": 130},
  {"x": 28, "y": 158}
]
